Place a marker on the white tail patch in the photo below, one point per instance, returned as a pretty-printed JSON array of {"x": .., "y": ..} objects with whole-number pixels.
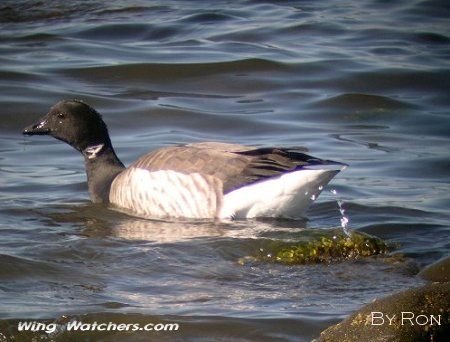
[
  {"x": 288, "y": 195},
  {"x": 166, "y": 193}
]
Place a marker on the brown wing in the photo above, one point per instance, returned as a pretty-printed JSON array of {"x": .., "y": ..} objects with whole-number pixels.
[{"x": 234, "y": 165}]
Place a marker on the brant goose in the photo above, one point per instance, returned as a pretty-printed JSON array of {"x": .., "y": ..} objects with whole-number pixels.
[{"x": 200, "y": 180}]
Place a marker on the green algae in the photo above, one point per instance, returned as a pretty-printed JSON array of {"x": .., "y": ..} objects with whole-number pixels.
[{"x": 325, "y": 246}]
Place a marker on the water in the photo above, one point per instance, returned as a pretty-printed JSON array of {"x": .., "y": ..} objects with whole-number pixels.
[{"x": 365, "y": 83}]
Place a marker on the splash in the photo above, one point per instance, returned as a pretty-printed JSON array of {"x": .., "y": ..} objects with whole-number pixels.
[
  {"x": 315, "y": 195},
  {"x": 344, "y": 218}
]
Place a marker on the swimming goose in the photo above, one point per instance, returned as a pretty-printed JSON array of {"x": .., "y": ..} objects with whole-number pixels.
[{"x": 199, "y": 180}]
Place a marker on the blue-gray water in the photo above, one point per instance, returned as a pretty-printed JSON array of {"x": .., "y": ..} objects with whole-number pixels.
[{"x": 362, "y": 82}]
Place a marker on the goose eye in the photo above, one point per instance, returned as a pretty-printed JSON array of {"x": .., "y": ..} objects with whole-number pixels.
[{"x": 60, "y": 115}]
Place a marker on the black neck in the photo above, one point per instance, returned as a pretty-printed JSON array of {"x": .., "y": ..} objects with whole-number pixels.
[{"x": 102, "y": 166}]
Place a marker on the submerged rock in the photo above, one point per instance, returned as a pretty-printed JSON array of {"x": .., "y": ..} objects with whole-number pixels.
[
  {"x": 438, "y": 271},
  {"x": 325, "y": 247},
  {"x": 419, "y": 314}
]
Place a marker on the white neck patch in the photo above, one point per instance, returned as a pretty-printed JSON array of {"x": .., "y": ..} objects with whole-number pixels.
[{"x": 91, "y": 151}]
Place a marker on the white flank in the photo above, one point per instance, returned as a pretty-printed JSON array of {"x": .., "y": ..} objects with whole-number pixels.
[
  {"x": 288, "y": 195},
  {"x": 166, "y": 193},
  {"x": 160, "y": 194}
]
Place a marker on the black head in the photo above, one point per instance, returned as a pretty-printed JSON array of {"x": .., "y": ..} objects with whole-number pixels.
[{"x": 73, "y": 122}]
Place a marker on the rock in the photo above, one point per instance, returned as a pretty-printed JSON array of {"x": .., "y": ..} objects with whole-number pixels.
[
  {"x": 419, "y": 314},
  {"x": 324, "y": 246},
  {"x": 438, "y": 271}
]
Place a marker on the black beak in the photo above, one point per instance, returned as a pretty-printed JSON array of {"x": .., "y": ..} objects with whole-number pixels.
[{"x": 38, "y": 128}]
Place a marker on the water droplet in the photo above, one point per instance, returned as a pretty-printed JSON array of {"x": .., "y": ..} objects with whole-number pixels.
[{"x": 344, "y": 219}]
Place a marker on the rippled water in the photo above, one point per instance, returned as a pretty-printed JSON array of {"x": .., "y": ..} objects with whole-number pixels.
[{"x": 366, "y": 83}]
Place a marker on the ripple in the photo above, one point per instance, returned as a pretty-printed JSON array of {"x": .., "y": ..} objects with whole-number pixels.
[
  {"x": 358, "y": 102},
  {"x": 157, "y": 71}
]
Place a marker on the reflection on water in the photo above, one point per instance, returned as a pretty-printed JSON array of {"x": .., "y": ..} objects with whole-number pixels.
[
  {"x": 350, "y": 82},
  {"x": 100, "y": 221}
]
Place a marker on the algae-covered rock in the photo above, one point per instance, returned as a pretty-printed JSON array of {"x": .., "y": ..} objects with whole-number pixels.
[
  {"x": 438, "y": 271},
  {"x": 419, "y": 314},
  {"x": 324, "y": 247}
]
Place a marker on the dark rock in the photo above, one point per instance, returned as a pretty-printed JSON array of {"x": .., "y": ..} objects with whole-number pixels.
[
  {"x": 438, "y": 271},
  {"x": 419, "y": 314}
]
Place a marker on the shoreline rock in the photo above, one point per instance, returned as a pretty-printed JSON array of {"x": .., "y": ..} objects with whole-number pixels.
[
  {"x": 418, "y": 314},
  {"x": 438, "y": 271}
]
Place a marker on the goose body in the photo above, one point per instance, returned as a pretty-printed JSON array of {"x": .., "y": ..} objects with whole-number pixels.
[{"x": 201, "y": 180}]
